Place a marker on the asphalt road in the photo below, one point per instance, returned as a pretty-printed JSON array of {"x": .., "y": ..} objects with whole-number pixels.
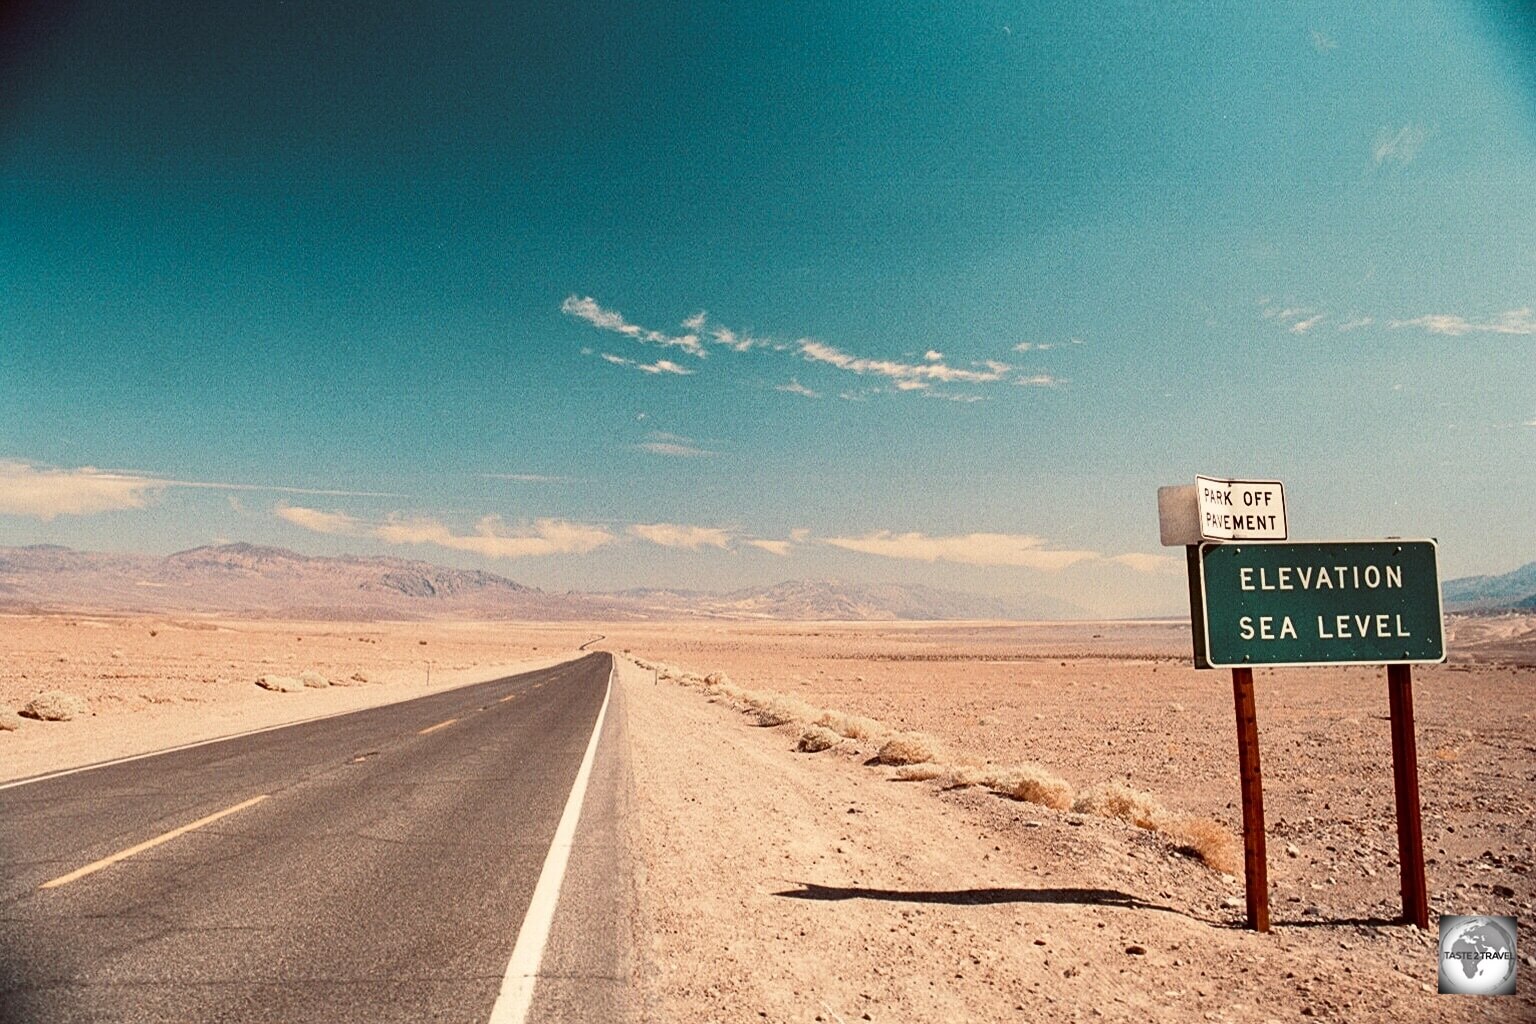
[{"x": 375, "y": 866}]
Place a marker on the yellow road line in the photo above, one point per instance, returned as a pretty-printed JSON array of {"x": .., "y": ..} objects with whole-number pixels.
[
  {"x": 149, "y": 844},
  {"x": 434, "y": 728}
]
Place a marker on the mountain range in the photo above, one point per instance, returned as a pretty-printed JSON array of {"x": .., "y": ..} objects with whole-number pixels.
[
  {"x": 247, "y": 579},
  {"x": 1511, "y": 591}
]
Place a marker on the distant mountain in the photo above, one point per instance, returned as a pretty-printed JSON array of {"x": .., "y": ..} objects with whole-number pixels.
[
  {"x": 1516, "y": 589},
  {"x": 248, "y": 579}
]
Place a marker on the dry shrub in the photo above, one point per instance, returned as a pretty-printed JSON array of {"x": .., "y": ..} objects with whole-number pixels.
[
  {"x": 1032, "y": 784},
  {"x": 817, "y": 738},
  {"x": 360, "y": 677},
  {"x": 907, "y": 748},
  {"x": 921, "y": 772},
  {"x": 854, "y": 727},
  {"x": 1117, "y": 800},
  {"x": 1447, "y": 753},
  {"x": 774, "y": 709},
  {"x": 715, "y": 679},
  {"x": 56, "y": 706},
  {"x": 963, "y": 776},
  {"x": 314, "y": 680},
  {"x": 1209, "y": 840}
]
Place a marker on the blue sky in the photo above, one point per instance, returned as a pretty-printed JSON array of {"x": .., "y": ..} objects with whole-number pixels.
[{"x": 631, "y": 296}]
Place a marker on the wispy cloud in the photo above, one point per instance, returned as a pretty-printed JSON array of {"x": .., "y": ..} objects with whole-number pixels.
[
  {"x": 492, "y": 539},
  {"x": 1398, "y": 145},
  {"x": 820, "y": 352},
  {"x": 1322, "y": 42},
  {"x": 1038, "y": 380},
  {"x": 659, "y": 366},
  {"x": 586, "y": 308},
  {"x": 661, "y": 443},
  {"x": 1305, "y": 325},
  {"x": 1515, "y": 321},
  {"x": 45, "y": 492},
  {"x": 1165, "y": 565},
  {"x": 319, "y": 521},
  {"x": 794, "y": 387},
  {"x": 1004, "y": 549},
  {"x": 774, "y": 547},
  {"x": 675, "y": 535},
  {"x": 1354, "y": 323}
]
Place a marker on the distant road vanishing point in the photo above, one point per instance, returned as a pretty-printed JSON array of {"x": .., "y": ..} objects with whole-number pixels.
[{"x": 402, "y": 863}]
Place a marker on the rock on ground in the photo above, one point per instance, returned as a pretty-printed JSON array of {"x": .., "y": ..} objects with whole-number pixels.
[
  {"x": 56, "y": 706},
  {"x": 280, "y": 684},
  {"x": 314, "y": 680}
]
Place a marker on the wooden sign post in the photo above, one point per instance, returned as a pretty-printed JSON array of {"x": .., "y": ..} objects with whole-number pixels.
[
  {"x": 1405, "y": 783},
  {"x": 1255, "y": 864}
]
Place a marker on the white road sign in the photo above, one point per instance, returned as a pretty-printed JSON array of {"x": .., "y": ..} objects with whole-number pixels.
[{"x": 1240, "y": 509}]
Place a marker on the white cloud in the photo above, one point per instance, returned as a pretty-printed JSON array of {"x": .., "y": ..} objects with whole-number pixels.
[
  {"x": 776, "y": 547},
  {"x": 794, "y": 387},
  {"x": 1035, "y": 346},
  {"x": 933, "y": 356},
  {"x": 1514, "y": 321},
  {"x": 662, "y": 443},
  {"x": 1322, "y": 42},
  {"x": 1037, "y": 380},
  {"x": 1355, "y": 323},
  {"x": 674, "y": 535},
  {"x": 800, "y": 535},
  {"x": 820, "y": 352},
  {"x": 318, "y": 521},
  {"x": 659, "y": 366},
  {"x": 1007, "y": 549},
  {"x": 695, "y": 322},
  {"x": 492, "y": 540},
  {"x": 1303, "y": 326},
  {"x": 1156, "y": 564},
  {"x": 1399, "y": 146},
  {"x": 45, "y": 492},
  {"x": 586, "y": 308}
]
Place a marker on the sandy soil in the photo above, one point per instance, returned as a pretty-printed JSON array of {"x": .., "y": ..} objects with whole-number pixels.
[
  {"x": 155, "y": 682},
  {"x": 783, "y": 886},
  {"x": 727, "y": 947}
]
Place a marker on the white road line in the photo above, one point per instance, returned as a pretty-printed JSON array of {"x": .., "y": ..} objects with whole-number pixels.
[
  {"x": 516, "y": 994},
  {"x": 148, "y": 844}
]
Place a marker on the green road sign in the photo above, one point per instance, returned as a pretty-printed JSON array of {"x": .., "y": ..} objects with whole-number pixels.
[{"x": 1328, "y": 602}]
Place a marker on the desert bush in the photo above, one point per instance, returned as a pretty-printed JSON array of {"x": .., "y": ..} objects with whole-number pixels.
[
  {"x": 314, "y": 680},
  {"x": 921, "y": 772},
  {"x": 56, "y": 706},
  {"x": 774, "y": 709},
  {"x": 9, "y": 720},
  {"x": 1031, "y": 783},
  {"x": 963, "y": 776},
  {"x": 280, "y": 684},
  {"x": 854, "y": 727},
  {"x": 1117, "y": 800},
  {"x": 1209, "y": 840},
  {"x": 907, "y": 748},
  {"x": 717, "y": 679},
  {"x": 817, "y": 738}
]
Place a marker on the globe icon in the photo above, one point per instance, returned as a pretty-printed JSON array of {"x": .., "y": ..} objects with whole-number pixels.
[{"x": 1477, "y": 955}]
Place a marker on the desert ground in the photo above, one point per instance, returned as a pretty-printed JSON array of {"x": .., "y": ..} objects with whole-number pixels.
[{"x": 771, "y": 884}]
